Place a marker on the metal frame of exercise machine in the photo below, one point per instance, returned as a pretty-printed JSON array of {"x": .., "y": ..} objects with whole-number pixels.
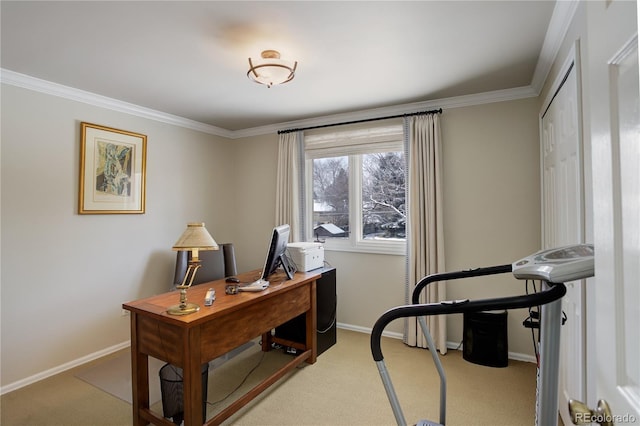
[{"x": 567, "y": 263}]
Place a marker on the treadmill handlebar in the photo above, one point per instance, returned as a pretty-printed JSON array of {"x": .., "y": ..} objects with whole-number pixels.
[
  {"x": 467, "y": 273},
  {"x": 553, "y": 293}
]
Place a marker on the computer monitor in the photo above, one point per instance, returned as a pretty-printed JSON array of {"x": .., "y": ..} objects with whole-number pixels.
[{"x": 276, "y": 255}]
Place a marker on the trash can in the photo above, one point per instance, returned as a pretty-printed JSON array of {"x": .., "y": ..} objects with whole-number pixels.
[
  {"x": 172, "y": 390},
  {"x": 485, "y": 339}
]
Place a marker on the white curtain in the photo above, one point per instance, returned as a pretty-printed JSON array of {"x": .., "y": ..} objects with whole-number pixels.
[
  {"x": 425, "y": 246},
  {"x": 290, "y": 184}
]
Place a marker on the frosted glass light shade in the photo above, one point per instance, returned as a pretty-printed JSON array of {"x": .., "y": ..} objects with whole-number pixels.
[{"x": 270, "y": 69}]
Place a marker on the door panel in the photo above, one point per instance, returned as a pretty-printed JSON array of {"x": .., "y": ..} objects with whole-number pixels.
[
  {"x": 615, "y": 138},
  {"x": 625, "y": 127}
]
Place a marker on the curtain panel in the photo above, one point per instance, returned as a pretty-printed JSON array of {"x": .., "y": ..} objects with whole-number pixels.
[
  {"x": 290, "y": 206},
  {"x": 425, "y": 231}
]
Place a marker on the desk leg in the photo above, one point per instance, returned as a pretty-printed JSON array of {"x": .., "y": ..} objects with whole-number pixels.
[
  {"x": 267, "y": 341},
  {"x": 192, "y": 379},
  {"x": 139, "y": 376},
  {"x": 311, "y": 326}
]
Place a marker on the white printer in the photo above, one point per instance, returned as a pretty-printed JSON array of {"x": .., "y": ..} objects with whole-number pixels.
[{"x": 306, "y": 256}]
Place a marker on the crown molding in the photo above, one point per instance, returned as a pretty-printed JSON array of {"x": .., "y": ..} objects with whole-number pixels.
[
  {"x": 47, "y": 87},
  {"x": 563, "y": 13},
  {"x": 444, "y": 103},
  {"x": 43, "y": 86}
]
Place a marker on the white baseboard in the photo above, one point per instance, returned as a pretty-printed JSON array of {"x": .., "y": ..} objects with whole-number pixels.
[
  {"x": 516, "y": 356},
  {"x": 366, "y": 330},
  {"x": 99, "y": 354},
  {"x": 64, "y": 367}
]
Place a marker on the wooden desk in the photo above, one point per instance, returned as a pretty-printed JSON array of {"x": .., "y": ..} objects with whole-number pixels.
[{"x": 189, "y": 341}]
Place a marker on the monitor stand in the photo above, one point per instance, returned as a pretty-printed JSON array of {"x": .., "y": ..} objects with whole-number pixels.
[
  {"x": 261, "y": 284},
  {"x": 286, "y": 266}
]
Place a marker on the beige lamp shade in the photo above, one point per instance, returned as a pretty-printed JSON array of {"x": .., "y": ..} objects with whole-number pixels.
[{"x": 195, "y": 237}]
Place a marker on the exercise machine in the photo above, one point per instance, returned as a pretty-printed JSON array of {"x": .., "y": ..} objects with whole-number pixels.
[{"x": 552, "y": 267}]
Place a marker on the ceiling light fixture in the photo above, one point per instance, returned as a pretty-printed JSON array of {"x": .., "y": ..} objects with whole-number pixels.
[{"x": 270, "y": 69}]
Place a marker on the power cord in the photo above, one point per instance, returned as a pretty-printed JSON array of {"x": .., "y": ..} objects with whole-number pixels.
[
  {"x": 533, "y": 320},
  {"x": 241, "y": 383}
]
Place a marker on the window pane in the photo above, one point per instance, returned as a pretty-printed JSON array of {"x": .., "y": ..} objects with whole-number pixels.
[
  {"x": 383, "y": 196},
  {"x": 331, "y": 197}
]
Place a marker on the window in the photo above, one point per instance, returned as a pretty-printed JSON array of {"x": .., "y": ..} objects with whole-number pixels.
[{"x": 355, "y": 190}]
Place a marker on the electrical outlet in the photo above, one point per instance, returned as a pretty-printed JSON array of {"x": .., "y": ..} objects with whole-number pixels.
[{"x": 125, "y": 313}]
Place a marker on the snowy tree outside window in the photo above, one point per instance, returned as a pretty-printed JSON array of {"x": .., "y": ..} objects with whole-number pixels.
[{"x": 356, "y": 190}]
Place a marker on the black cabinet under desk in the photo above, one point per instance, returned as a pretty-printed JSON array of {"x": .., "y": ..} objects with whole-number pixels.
[{"x": 326, "y": 304}]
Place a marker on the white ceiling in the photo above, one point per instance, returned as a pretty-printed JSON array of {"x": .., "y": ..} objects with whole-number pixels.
[{"x": 190, "y": 59}]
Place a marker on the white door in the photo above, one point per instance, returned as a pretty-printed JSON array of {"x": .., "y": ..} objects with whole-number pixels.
[
  {"x": 614, "y": 114},
  {"x": 562, "y": 201}
]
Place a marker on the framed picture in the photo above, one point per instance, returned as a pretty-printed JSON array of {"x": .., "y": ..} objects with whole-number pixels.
[{"x": 112, "y": 170}]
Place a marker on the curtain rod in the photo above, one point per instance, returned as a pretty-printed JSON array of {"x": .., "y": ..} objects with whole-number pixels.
[{"x": 433, "y": 111}]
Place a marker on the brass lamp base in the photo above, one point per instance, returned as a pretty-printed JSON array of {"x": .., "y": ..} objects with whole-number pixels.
[{"x": 187, "y": 308}]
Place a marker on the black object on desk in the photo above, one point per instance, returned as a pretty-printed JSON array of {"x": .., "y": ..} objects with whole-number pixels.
[{"x": 326, "y": 303}]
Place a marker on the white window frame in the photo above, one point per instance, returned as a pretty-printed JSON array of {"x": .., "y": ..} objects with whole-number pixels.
[{"x": 352, "y": 144}]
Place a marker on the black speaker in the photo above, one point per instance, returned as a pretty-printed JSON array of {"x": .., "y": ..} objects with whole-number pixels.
[
  {"x": 326, "y": 303},
  {"x": 485, "y": 338}
]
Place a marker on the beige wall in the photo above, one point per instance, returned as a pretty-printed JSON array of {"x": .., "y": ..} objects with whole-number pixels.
[
  {"x": 64, "y": 275},
  {"x": 254, "y": 179},
  {"x": 491, "y": 202},
  {"x": 492, "y": 212},
  {"x": 72, "y": 272}
]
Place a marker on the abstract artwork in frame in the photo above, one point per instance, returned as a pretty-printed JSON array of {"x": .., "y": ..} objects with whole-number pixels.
[{"x": 112, "y": 170}]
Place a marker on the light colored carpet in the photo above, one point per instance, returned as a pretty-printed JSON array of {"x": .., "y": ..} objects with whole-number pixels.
[
  {"x": 342, "y": 388},
  {"x": 345, "y": 388}
]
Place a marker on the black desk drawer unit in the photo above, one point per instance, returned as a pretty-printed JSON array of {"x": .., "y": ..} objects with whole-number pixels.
[{"x": 326, "y": 302}]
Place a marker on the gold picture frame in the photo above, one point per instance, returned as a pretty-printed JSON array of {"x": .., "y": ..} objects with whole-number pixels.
[{"x": 112, "y": 171}]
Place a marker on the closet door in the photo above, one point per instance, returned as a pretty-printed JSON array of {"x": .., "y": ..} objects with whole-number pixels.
[{"x": 563, "y": 220}]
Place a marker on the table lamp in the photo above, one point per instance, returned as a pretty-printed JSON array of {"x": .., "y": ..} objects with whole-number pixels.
[{"x": 193, "y": 239}]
